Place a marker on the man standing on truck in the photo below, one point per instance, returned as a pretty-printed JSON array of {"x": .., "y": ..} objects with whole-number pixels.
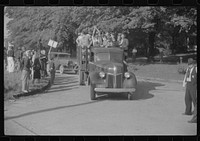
[
  {"x": 84, "y": 42},
  {"x": 78, "y": 40},
  {"x": 124, "y": 45}
]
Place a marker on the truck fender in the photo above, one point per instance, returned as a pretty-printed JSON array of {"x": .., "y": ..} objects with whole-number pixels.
[{"x": 130, "y": 82}]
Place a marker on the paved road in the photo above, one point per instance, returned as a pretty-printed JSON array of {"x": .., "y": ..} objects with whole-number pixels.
[{"x": 66, "y": 109}]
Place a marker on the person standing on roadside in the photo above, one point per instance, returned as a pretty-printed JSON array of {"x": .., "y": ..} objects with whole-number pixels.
[
  {"x": 22, "y": 55},
  {"x": 43, "y": 60},
  {"x": 36, "y": 66},
  {"x": 10, "y": 59},
  {"x": 18, "y": 57},
  {"x": 26, "y": 70},
  {"x": 134, "y": 51},
  {"x": 190, "y": 82},
  {"x": 52, "y": 70},
  {"x": 5, "y": 58}
]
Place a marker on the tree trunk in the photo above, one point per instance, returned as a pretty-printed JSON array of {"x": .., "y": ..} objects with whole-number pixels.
[
  {"x": 173, "y": 44},
  {"x": 151, "y": 45}
]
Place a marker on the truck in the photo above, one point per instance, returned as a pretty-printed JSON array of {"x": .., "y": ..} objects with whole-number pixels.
[{"x": 105, "y": 71}]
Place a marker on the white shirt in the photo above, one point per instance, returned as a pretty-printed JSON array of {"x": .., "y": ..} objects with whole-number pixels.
[
  {"x": 188, "y": 79},
  {"x": 134, "y": 51}
]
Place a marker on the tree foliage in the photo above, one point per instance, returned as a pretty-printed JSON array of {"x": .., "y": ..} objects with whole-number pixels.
[{"x": 145, "y": 26}]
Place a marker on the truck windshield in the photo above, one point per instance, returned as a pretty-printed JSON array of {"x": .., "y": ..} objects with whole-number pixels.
[{"x": 113, "y": 57}]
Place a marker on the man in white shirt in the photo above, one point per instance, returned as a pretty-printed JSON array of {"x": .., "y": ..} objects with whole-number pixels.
[
  {"x": 134, "y": 51},
  {"x": 190, "y": 81},
  {"x": 78, "y": 40},
  {"x": 124, "y": 45}
]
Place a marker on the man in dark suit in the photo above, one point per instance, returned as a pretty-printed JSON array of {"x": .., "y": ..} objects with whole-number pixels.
[{"x": 190, "y": 81}]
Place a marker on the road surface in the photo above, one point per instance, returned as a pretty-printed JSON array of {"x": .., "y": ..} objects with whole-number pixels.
[{"x": 66, "y": 109}]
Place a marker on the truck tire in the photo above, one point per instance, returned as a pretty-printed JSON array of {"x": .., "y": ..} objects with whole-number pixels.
[{"x": 92, "y": 92}]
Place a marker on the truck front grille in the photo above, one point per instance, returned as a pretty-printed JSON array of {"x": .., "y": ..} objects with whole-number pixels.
[{"x": 114, "y": 81}]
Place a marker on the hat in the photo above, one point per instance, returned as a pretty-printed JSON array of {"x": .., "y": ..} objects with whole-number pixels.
[
  {"x": 27, "y": 52},
  {"x": 190, "y": 61}
]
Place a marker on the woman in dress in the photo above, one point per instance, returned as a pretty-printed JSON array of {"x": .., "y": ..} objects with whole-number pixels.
[
  {"x": 26, "y": 70},
  {"x": 36, "y": 68}
]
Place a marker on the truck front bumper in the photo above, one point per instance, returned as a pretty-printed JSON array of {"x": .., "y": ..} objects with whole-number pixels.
[{"x": 115, "y": 90}]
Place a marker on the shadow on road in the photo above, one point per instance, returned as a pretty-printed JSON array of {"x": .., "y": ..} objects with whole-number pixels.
[
  {"x": 52, "y": 109},
  {"x": 69, "y": 84},
  {"x": 66, "y": 82},
  {"x": 66, "y": 89},
  {"x": 141, "y": 93},
  {"x": 143, "y": 88}
]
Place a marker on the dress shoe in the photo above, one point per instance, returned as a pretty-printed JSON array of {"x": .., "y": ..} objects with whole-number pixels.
[
  {"x": 188, "y": 114},
  {"x": 192, "y": 121}
]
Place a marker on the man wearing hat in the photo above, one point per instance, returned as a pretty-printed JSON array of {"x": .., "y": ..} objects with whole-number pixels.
[
  {"x": 18, "y": 57},
  {"x": 190, "y": 81},
  {"x": 124, "y": 45},
  {"x": 26, "y": 70}
]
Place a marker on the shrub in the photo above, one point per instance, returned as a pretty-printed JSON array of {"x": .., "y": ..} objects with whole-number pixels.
[{"x": 181, "y": 69}]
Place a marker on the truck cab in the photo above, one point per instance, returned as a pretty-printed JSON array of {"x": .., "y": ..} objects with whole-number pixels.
[{"x": 108, "y": 73}]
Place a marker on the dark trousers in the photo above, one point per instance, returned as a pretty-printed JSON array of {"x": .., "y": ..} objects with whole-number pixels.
[
  {"x": 190, "y": 97},
  {"x": 134, "y": 57},
  {"x": 52, "y": 77}
]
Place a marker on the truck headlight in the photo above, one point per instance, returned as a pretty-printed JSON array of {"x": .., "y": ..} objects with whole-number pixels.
[
  {"x": 127, "y": 74},
  {"x": 102, "y": 74}
]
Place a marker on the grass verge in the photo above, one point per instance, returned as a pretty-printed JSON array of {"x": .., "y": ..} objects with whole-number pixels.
[{"x": 13, "y": 84}]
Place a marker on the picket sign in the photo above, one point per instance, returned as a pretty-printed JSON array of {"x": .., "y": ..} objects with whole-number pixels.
[{"x": 53, "y": 44}]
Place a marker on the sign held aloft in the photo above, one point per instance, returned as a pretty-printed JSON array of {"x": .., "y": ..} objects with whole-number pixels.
[{"x": 52, "y": 43}]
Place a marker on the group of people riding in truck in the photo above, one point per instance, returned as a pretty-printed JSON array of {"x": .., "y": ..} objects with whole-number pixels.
[
  {"x": 102, "y": 64},
  {"x": 101, "y": 39}
]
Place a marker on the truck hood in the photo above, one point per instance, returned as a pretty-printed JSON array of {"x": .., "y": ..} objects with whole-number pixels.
[{"x": 109, "y": 67}]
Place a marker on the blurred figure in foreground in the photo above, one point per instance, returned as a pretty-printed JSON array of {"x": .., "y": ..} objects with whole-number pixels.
[{"x": 190, "y": 81}]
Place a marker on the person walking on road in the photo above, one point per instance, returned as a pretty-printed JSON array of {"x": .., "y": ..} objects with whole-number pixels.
[
  {"x": 10, "y": 59},
  {"x": 26, "y": 70},
  {"x": 134, "y": 51},
  {"x": 190, "y": 81}
]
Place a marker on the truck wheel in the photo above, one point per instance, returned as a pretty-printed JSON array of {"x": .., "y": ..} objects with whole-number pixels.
[
  {"x": 92, "y": 92},
  {"x": 81, "y": 77},
  {"x": 130, "y": 96},
  {"x": 61, "y": 69}
]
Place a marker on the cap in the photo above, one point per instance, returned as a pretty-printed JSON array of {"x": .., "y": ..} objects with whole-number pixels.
[{"x": 190, "y": 61}]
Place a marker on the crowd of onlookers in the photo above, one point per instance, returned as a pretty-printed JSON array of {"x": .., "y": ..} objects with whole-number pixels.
[{"x": 32, "y": 64}]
